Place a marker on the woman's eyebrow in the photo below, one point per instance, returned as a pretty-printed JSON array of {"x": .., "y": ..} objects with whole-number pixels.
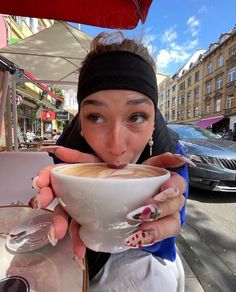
[
  {"x": 92, "y": 102},
  {"x": 139, "y": 101}
]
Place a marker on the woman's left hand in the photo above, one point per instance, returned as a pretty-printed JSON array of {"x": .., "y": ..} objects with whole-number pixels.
[{"x": 160, "y": 217}]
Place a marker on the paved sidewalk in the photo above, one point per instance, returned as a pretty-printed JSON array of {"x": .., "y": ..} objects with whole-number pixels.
[{"x": 191, "y": 282}]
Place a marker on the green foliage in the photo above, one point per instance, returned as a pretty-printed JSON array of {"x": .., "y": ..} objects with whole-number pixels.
[{"x": 57, "y": 91}]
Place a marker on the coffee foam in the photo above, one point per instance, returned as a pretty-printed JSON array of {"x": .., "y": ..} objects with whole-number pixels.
[{"x": 103, "y": 171}]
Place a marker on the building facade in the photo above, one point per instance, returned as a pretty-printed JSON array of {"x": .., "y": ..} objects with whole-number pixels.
[
  {"x": 206, "y": 88},
  {"x": 37, "y": 105}
]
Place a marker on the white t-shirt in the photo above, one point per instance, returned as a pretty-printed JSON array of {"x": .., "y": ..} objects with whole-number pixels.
[{"x": 138, "y": 271}]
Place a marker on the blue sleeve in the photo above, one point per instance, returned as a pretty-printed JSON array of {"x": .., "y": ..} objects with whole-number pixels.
[{"x": 166, "y": 248}]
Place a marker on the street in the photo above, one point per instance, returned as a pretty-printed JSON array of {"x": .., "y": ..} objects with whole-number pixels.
[{"x": 208, "y": 239}]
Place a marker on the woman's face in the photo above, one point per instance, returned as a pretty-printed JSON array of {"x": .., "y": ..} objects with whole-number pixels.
[{"x": 117, "y": 124}]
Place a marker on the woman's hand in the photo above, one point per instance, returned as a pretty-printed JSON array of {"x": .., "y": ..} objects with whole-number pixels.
[
  {"x": 160, "y": 217},
  {"x": 45, "y": 196}
]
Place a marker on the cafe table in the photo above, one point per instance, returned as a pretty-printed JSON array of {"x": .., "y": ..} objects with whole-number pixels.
[{"x": 47, "y": 268}]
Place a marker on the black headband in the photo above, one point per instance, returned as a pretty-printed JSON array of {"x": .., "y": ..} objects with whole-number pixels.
[{"x": 117, "y": 70}]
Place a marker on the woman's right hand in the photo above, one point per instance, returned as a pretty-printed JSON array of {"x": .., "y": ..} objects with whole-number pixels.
[{"x": 45, "y": 196}]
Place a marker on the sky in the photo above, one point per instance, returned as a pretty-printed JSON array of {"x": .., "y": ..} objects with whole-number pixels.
[{"x": 174, "y": 29}]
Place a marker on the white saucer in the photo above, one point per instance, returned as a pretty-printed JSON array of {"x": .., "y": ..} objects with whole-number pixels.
[{"x": 30, "y": 235}]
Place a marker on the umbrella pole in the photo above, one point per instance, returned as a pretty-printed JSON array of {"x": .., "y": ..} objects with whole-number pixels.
[
  {"x": 3, "y": 99},
  {"x": 8, "y": 122},
  {"x": 14, "y": 115}
]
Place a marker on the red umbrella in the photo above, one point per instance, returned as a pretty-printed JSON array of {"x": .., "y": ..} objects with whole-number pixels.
[{"x": 119, "y": 14}]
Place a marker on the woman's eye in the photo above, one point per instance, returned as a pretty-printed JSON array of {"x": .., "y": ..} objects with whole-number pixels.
[
  {"x": 138, "y": 118},
  {"x": 95, "y": 118}
]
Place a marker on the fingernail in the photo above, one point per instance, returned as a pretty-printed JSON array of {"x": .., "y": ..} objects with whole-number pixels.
[
  {"x": 169, "y": 193},
  {"x": 35, "y": 203},
  {"x": 80, "y": 262},
  {"x": 185, "y": 159},
  {"x": 34, "y": 183},
  {"x": 145, "y": 213},
  {"x": 51, "y": 236},
  {"x": 50, "y": 149},
  {"x": 141, "y": 238}
]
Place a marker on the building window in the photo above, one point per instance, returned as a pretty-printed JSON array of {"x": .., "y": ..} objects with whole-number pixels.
[
  {"x": 196, "y": 111},
  {"x": 182, "y": 115},
  {"x": 219, "y": 80},
  {"x": 197, "y": 76},
  {"x": 232, "y": 74},
  {"x": 218, "y": 105},
  {"x": 196, "y": 93},
  {"x": 168, "y": 104},
  {"x": 173, "y": 115},
  {"x": 181, "y": 99},
  {"x": 220, "y": 61},
  {"x": 189, "y": 96},
  {"x": 173, "y": 88},
  {"x": 208, "y": 87},
  {"x": 173, "y": 101},
  {"x": 189, "y": 81},
  {"x": 229, "y": 101},
  {"x": 208, "y": 108},
  {"x": 232, "y": 51},
  {"x": 188, "y": 113},
  {"x": 161, "y": 97},
  {"x": 209, "y": 68},
  {"x": 178, "y": 115},
  {"x": 167, "y": 94},
  {"x": 182, "y": 86}
]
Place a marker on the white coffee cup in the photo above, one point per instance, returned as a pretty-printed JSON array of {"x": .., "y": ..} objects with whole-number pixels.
[{"x": 99, "y": 199}]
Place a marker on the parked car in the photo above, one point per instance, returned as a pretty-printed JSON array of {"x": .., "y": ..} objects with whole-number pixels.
[
  {"x": 229, "y": 136},
  {"x": 214, "y": 157}
]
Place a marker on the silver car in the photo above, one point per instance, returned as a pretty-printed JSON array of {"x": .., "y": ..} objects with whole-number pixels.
[{"x": 215, "y": 158}]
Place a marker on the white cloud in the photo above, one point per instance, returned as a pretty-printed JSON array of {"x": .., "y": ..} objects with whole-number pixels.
[
  {"x": 163, "y": 59},
  {"x": 203, "y": 9},
  {"x": 147, "y": 41},
  {"x": 192, "y": 44},
  {"x": 169, "y": 35},
  {"x": 193, "y": 25},
  {"x": 175, "y": 55},
  {"x": 176, "y": 51}
]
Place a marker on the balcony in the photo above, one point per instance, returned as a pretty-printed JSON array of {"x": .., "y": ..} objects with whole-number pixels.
[
  {"x": 231, "y": 61},
  {"x": 231, "y": 85},
  {"x": 228, "y": 111}
]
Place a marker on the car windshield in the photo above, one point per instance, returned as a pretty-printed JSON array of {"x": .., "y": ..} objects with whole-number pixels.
[{"x": 190, "y": 132}]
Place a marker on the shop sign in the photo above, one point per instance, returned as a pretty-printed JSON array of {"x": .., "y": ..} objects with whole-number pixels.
[
  {"x": 64, "y": 116},
  {"x": 48, "y": 115}
]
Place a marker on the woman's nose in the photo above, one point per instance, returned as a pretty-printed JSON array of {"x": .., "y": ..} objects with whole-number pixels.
[{"x": 116, "y": 141}]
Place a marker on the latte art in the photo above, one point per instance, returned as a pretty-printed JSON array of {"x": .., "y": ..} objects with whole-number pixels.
[{"x": 103, "y": 171}]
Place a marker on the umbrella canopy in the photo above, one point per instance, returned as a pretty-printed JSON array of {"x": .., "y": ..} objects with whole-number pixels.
[
  {"x": 52, "y": 54},
  {"x": 119, "y": 14}
]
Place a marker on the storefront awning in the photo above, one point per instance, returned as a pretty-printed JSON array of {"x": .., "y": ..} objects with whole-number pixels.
[{"x": 204, "y": 123}]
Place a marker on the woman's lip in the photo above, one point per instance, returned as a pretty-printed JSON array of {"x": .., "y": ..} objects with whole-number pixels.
[{"x": 117, "y": 165}]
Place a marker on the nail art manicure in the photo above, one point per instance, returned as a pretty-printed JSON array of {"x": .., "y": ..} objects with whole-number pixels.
[
  {"x": 51, "y": 236},
  {"x": 185, "y": 159},
  {"x": 34, "y": 183},
  {"x": 80, "y": 262},
  {"x": 141, "y": 238},
  {"x": 145, "y": 213},
  {"x": 169, "y": 193},
  {"x": 35, "y": 203}
]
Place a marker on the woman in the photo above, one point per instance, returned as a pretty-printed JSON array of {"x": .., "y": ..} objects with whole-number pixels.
[{"x": 119, "y": 123}]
